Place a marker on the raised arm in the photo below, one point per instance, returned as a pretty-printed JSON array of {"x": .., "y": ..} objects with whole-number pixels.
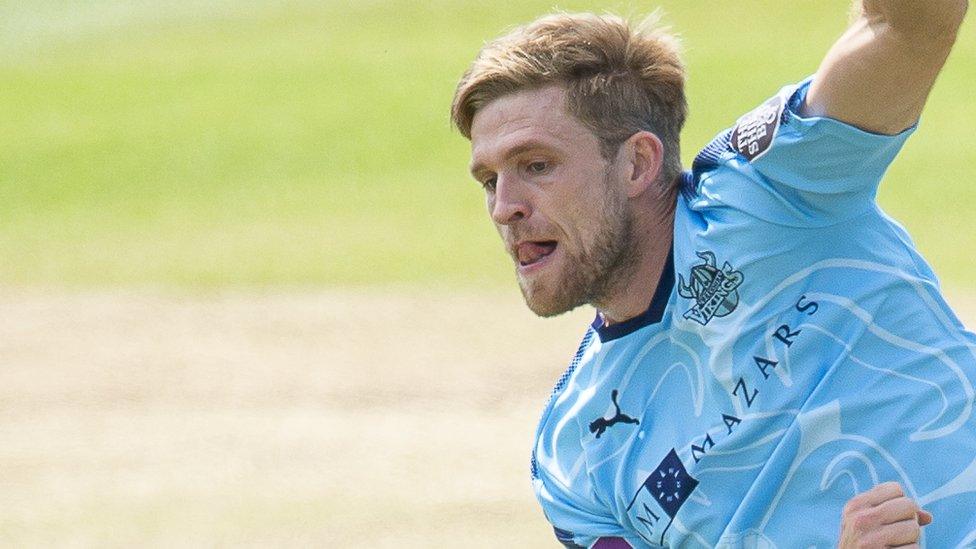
[{"x": 879, "y": 74}]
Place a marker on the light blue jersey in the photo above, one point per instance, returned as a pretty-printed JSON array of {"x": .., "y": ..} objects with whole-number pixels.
[{"x": 797, "y": 352}]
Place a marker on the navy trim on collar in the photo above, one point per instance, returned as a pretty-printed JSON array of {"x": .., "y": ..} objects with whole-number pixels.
[{"x": 653, "y": 314}]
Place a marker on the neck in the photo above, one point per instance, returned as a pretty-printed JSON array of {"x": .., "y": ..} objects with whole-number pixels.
[{"x": 631, "y": 295}]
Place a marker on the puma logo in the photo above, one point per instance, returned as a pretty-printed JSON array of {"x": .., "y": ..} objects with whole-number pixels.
[{"x": 601, "y": 424}]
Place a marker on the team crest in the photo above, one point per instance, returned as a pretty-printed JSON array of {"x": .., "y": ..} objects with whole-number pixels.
[{"x": 713, "y": 289}]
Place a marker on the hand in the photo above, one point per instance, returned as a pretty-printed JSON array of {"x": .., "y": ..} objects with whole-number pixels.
[{"x": 882, "y": 517}]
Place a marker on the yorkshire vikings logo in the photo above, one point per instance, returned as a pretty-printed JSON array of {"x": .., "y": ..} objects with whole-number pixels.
[{"x": 713, "y": 289}]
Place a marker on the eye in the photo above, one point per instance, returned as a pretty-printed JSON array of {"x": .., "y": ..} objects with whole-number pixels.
[
  {"x": 489, "y": 182},
  {"x": 537, "y": 167}
]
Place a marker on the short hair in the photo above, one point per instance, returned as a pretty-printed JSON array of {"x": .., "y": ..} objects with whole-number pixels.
[{"x": 619, "y": 78}]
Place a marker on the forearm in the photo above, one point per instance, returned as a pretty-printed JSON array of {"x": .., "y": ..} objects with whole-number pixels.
[{"x": 925, "y": 20}]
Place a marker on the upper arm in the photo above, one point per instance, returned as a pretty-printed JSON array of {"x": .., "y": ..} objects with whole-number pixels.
[{"x": 880, "y": 72}]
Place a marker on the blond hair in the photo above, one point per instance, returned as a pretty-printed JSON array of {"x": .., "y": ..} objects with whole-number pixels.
[{"x": 619, "y": 79}]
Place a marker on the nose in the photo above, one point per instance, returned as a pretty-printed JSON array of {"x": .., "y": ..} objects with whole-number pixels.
[{"x": 509, "y": 203}]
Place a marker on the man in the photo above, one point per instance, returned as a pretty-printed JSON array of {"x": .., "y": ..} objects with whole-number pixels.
[{"x": 768, "y": 343}]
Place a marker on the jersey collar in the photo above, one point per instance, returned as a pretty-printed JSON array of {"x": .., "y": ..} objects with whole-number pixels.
[{"x": 653, "y": 314}]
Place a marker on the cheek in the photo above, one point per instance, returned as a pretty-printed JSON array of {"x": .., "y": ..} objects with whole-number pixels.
[
  {"x": 574, "y": 228},
  {"x": 590, "y": 220},
  {"x": 572, "y": 215}
]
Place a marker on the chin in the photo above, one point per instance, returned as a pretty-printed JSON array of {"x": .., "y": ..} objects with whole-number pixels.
[{"x": 547, "y": 304}]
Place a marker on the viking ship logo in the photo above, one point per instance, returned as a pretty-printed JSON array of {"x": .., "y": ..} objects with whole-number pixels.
[{"x": 713, "y": 289}]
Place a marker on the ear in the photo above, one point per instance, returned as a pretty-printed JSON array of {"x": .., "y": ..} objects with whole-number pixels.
[{"x": 645, "y": 159}]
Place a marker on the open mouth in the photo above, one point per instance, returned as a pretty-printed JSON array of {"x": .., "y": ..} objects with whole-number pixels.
[{"x": 533, "y": 252}]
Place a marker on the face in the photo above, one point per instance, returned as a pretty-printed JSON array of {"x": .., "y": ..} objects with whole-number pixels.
[{"x": 560, "y": 207}]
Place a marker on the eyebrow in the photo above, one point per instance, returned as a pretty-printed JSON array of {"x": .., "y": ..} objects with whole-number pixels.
[{"x": 521, "y": 148}]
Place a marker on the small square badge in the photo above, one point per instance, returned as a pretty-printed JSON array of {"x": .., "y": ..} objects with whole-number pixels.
[{"x": 670, "y": 484}]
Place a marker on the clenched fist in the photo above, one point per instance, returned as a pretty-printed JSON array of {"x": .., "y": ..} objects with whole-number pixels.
[{"x": 882, "y": 517}]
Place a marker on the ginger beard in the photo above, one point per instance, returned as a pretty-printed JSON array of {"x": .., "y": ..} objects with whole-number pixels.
[{"x": 591, "y": 265}]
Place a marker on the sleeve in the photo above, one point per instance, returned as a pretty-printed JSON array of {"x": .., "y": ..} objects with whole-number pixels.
[
  {"x": 569, "y": 501},
  {"x": 794, "y": 170}
]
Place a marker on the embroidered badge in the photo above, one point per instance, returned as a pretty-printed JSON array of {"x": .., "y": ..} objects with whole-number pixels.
[{"x": 713, "y": 289}]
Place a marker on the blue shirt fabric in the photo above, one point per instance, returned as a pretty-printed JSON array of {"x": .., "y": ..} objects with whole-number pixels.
[{"x": 797, "y": 352}]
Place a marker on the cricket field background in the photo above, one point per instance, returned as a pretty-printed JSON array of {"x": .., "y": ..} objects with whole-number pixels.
[{"x": 249, "y": 295}]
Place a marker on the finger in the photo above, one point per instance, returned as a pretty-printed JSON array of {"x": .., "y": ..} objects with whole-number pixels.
[
  {"x": 876, "y": 496},
  {"x": 901, "y": 533},
  {"x": 897, "y": 510},
  {"x": 924, "y": 517}
]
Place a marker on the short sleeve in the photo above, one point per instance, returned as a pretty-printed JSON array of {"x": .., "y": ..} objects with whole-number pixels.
[{"x": 795, "y": 170}]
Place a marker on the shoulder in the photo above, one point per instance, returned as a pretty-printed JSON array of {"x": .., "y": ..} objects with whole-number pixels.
[
  {"x": 780, "y": 166},
  {"x": 754, "y": 133}
]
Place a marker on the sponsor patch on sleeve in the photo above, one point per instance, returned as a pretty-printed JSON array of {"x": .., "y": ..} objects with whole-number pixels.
[{"x": 753, "y": 134}]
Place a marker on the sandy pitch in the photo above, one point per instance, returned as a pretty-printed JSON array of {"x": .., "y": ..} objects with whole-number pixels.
[{"x": 336, "y": 419}]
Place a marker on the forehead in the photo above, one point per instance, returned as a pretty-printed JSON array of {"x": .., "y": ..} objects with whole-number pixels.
[{"x": 537, "y": 117}]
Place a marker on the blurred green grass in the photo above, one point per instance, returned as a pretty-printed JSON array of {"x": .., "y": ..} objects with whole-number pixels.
[{"x": 212, "y": 143}]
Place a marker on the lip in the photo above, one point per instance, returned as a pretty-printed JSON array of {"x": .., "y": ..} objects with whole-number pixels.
[{"x": 537, "y": 264}]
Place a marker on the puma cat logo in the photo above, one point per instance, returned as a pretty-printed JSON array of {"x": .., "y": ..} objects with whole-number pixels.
[{"x": 601, "y": 424}]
